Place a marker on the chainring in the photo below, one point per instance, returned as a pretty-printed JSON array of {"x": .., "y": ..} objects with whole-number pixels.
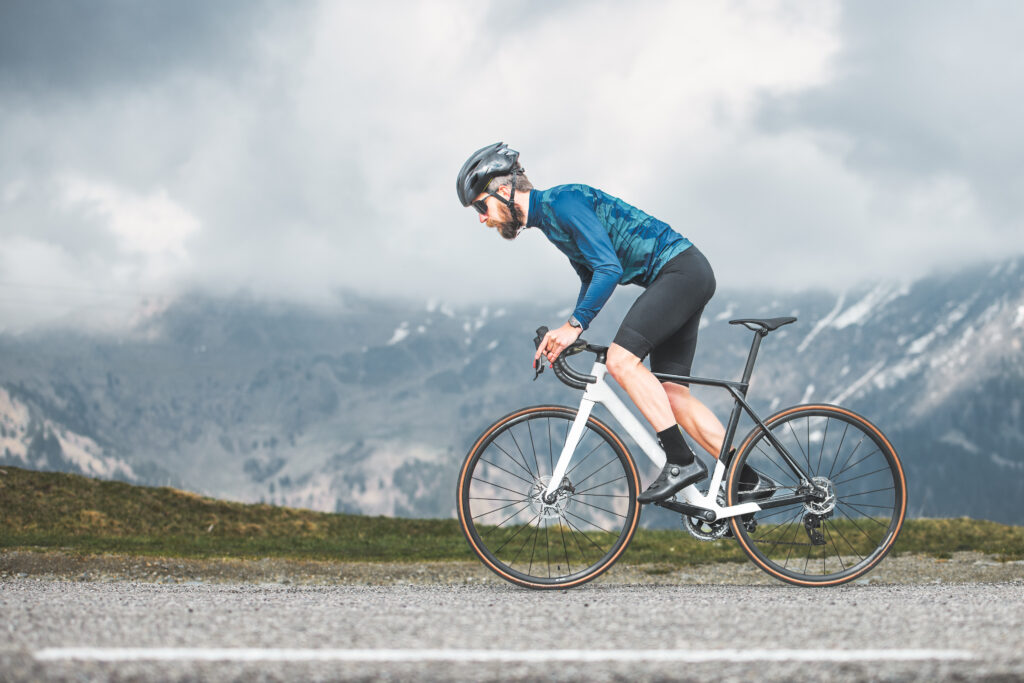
[{"x": 705, "y": 531}]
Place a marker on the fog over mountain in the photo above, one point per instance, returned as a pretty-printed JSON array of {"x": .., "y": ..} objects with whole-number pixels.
[{"x": 370, "y": 405}]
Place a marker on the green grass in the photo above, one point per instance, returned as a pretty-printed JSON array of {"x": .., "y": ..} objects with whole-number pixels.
[{"x": 41, "y": 510}]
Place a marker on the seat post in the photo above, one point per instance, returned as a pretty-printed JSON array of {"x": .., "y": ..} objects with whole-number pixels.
[{"x": 749, "y": 369}]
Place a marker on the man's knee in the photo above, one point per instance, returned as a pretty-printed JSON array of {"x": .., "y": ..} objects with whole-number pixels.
[
  {"x": 676, "y": 392},
  {"x": 620, "y": 361}
]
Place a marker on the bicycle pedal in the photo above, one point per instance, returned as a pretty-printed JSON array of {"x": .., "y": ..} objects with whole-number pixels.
[{"x": 812, "y": 524}]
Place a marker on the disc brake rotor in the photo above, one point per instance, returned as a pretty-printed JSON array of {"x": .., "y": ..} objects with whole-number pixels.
[{"x": 555, "y": 509}]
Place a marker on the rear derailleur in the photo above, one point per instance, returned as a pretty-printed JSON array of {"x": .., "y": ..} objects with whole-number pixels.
[{"x": 812, "y": 525}]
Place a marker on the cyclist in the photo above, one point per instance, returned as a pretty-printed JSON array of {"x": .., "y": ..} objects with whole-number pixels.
[{"x": 609, "y": 242}]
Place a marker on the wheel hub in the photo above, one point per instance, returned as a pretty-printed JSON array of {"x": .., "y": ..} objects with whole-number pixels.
[
  {"x": 828, "y": 503},
  {"x": 554, "y": 509}
]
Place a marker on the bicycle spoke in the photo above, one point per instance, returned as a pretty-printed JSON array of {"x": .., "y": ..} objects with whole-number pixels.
[
  {"x": 869, "y": 505},
  {"x": 525, "y": 541},
  {"x": 512, "y": 458},
  {"x": 491, "y": 512},
  {"x": 547, "y": 547},
  {"x": 850, "y": 467},
  {"x": 533, "y": 446},
  {"x": 831, "y": 540},
  {"x": 594, "y": 488},
  {"x": 508, "y": 518},
  {"x": 868, "y": 517},
  {"x": 858, "y": 506},
  {"x": 584, "y": 459},
  {"x": 575, "y": 537},
  {"x": 596, "y": 526},
  {"x": 822, "y": 450},
  {"x": 583, "y": 533},
  {"x": 507, "y": 472},
  {"x": 598, "y": 507},
  {"x": 864, "y": 493},
  {"x": 772, "y": 514},
  {"x": 843, "y": 536},
  {"x": 797, "y": 439},
  {"x": 519, "y": 531},
  {"x": 787, "y": 471},
  {"x": 860, "y": 476},
  {"x": 565, "y": 549},
  {"x": 512, "y": 434},
  {"x": 551, "y": 449},
  {"x": 595, "y": 471},
  {"x": 839, "y": 449},
  {"x": 854, "y": 523},
  {"x": 498, "y": 486},
  {"x": 863, "y": 436},
  {"x": 779, "y": 527}
]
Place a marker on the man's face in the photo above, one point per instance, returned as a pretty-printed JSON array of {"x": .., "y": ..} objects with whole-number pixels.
[{"x": 499, "y": 216}]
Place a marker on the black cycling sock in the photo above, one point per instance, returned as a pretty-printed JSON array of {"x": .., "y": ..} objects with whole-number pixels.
[{"x": 677, "y": 451}]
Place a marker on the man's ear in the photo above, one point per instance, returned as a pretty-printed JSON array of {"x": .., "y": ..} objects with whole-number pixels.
[{"x": 505, "y": 191}]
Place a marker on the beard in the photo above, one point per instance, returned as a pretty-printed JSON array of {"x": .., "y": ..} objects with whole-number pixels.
[{"x": 509, "y": 222}]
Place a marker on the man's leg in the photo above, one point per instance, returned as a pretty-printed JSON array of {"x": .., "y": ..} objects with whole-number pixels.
[
  {"x": 695, "y": 418},
  {"x": 682, "y": 467},
  {"x": 646, "y": 392}
]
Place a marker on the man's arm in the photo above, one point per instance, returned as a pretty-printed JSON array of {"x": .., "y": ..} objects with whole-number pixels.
[{"x": 576, "y": 214}]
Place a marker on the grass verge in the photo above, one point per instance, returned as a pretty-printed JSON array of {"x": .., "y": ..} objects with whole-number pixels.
[{"x": 45, "y": 510}]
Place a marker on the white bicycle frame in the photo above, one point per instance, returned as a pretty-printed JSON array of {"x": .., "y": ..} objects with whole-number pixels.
[{"x": 601, "y": 392}]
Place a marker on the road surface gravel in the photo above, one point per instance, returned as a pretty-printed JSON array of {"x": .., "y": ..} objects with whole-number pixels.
[{"x": 966, "y": 628}]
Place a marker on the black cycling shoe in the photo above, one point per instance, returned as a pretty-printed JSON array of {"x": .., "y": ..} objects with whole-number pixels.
[
  {"x": 673, "y": 478},
  {"x": 755, "y": 486}
]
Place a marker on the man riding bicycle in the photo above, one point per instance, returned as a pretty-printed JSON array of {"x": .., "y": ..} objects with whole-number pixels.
[{"x": 609, "y": 242}]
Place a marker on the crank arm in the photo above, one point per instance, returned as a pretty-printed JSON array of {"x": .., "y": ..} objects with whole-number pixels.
[{"x": 687, "y": 509}]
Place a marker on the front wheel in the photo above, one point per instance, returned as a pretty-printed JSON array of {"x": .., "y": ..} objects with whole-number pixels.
[
  {"x": 861, "y": 505},
  {"x": 556, "y": 544}
]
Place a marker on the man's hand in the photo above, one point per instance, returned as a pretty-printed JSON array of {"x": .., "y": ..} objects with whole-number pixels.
[{"x": 555, "y": 341}]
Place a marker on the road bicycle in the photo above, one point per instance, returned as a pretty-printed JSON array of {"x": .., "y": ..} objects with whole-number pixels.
[{"x": 547, "y": 494}]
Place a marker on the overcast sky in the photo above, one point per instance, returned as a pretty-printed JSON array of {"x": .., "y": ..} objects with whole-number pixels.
[{"x": 292, "y": 149}]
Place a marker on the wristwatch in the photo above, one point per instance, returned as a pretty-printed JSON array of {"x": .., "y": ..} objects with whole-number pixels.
[{"x": 575, "y": 323}]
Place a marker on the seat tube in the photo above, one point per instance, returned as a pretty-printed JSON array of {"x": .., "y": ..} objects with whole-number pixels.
[{"x": 751, "y": 357}]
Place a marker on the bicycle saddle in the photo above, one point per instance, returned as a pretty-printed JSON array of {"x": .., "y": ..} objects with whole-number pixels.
[{"x": 764, "y": 325}]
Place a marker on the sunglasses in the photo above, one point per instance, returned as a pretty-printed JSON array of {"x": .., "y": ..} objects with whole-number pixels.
[{"x": 481, "y": 204}]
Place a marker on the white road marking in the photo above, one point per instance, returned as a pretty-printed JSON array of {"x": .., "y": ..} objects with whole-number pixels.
[{"x": 99, "y": 654}]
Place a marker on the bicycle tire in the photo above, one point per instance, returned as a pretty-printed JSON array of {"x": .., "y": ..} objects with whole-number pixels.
[
  {"x": 570, "y": 542},
  {"x": 829, "y": 542}
]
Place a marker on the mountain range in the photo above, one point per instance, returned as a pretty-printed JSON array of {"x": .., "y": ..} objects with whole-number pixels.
[{"x": 369, "y": 405}]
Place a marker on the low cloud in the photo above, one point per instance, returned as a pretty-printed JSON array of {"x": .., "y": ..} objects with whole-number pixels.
[{"x": 292, "y": 151}]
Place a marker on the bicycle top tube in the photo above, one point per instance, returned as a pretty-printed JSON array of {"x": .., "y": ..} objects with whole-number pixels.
[{"x": 578, "y": 380}]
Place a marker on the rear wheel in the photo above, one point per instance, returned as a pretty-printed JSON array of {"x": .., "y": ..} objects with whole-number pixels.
[
  {"x": 849, "y": 531},
  {"x": 540, "y": 544}
]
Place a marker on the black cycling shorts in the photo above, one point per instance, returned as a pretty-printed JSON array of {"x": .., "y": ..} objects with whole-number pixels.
[{"x": 663, "y": 321}]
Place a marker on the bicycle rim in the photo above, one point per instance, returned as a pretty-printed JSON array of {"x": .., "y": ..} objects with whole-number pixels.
[
  {"x": 835, "y": 540},
  {"x": 520, "y": 537}
]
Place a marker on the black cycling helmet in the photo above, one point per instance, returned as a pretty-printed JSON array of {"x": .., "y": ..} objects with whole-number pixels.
[{"x": 482, "y": 165}]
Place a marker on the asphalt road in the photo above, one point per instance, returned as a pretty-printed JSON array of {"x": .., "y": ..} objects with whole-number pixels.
[{"x": 137, "y": 631}]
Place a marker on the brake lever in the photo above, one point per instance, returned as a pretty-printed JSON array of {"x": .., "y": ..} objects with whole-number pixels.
[
  {"x": 538, "y": 369},
  {"x": 538, "y": 364}
]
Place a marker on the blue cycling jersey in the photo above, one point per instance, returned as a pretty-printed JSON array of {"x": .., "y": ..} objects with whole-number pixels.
[{"x": 608, "y": 241}]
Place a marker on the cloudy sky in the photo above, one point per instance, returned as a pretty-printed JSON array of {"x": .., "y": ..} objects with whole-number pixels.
[{"x": 291, "y": 150}]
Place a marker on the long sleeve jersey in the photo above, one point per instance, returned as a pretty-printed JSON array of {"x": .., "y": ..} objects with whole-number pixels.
[{"x": 608, "y": 241}]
